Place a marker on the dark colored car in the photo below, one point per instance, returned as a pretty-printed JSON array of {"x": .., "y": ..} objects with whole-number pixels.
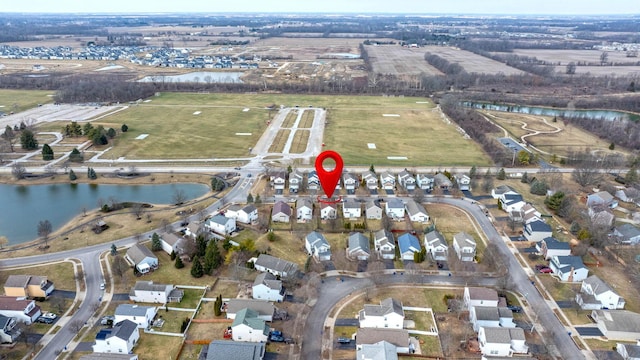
[
  {"x": 540, "y": 267},
  {"x": 514, "y": 308},
  {"x": 276, "y": 338},
  {"x": 344, "y": 340}
]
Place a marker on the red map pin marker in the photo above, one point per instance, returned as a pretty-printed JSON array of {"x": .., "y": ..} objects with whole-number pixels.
[{"x": 329, "y": 179}]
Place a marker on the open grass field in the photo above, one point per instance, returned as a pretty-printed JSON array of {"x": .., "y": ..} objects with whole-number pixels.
[
  {"x": 21, "y": 100},
  {"x": 147, "y": 348},
  {"x": 398, "y": 60},
  {"x": 563, "y": 57},
  {"x": 471, "y": 62}
]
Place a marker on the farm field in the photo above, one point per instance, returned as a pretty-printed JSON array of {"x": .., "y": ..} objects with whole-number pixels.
[
  {"x": 471, "y": 62},
  {"x": 563, "y": 57},
  {"x": 21, "y": 100},
  {"x": 304, "y": 48},
  {"x": 397, "y": 60}
]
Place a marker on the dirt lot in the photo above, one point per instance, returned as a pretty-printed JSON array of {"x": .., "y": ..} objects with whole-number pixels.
[
  {"x": 397, "y": 60},
  {"x": 470, "y": 61}
]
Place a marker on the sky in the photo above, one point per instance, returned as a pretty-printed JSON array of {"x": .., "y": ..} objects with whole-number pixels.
[{"x": 548, "y": 7}]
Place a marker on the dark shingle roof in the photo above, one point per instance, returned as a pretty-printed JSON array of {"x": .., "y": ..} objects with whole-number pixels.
[{"x": 235, "y": 350}]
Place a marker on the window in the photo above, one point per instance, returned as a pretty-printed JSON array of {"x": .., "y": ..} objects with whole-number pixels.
[{"x": 494, "y": 352}]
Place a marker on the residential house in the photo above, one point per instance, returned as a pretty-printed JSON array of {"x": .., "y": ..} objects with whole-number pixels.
[
  {"x": 263, "y": 308},
  {"x": 502, "y": 341},
  {"x": 358, "y": 246},
  {"x": 194, "y": 229},
  {"x": 171, "y": 243},
  {"x": 234, "y": 350},
  {"x": 317, "y": 246},
  {"x": 550, "y": 247},
  {"x": 628, "y": 195},
  {"x": 108, "y": 356},
  {"x": 602, "y": 198},
  {"x": 627, "y": 234},
  {"x": 142, "y": 258},
  {"x": 629, "y": 351},
  {"x": 425, "y": 182},
  {"x": 490, "y": 316},
  {"x": 313, "y": 181},
  {"x": 373, "y": 210},
  {"x": 596, "y": 294},
  {"x": 529, "y": 214},
  {"x": 275, "y": 266},
  {"x": 351, "y": 209},
  {"x": 248, "y": 326},
  {"x": 267, "y": 287},
  {"x": 394, "y": 208},
  {"x": 436, "y": 245},
  {"x": 304, "y": 210},
  {"x": 537, "y": 230},
  {"x": 478, "y": 296},
  {"x": 278, "y": 179},
  {"x": 408, "y": 245},
  {"x": 601, "y": 215},
  {"x": 8, "y": 331},
  {"x": 295, "y": 181},
  {"x": 502, "y": 190},
  {"x": 19, "y": 308},
  {"x": 441, "y": 181},
  {"x": 148, "y": 292},
  {"x": 387, "y": 181},
  {"x": 389, "y": 314},
  {"x": 221, "y": 225},
  {"x": 281, "y": 212},
  {"x": 622, "y": 325},
  {"x": 120, "y": 339},
  {"x": 463, "y": 181},
  {"x": 416, "y": 211},
  {"x": 569, "y": 268},
  {"x": 385, "y": 245},
  {"x": 406, "y": 180},
  {"x": 30, "y": 286},
  {"x": 328, "y": 211},
  {"x": 351, "y": 182},
  {"x": 370, "y": 180},
  {"x": 245, "y": 214},
  {"x": 382, "y": 350},
  {"x": 397, "y": 337},
  {"x": 140, "y": 315},
  {"x": 464, "y": 246},
  {"x": 511, "y": 202}
]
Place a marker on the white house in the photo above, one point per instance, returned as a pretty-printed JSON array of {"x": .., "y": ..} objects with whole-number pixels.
[
  {"x": 511, "y": 202},
  {"x": 416, "y": 211},
  {"x": 373, "y": 210},
  {"x": 406, "y": 180},
  {"x": 502, "y": 341},
  {"x": 569, "y": 268},
  {"x": 358, "y": 248},
  {"x": 477, "y": 296},
  {"x": 171, "y": 242},
  {"x": 267, "y": 287},
  {"x": 109, "y": 356},
  {"x": 304, "y": 210},
  {"x": 275, "y": 266},
  {"x": 596, "y": 294},
  {"x": 247, "y": 326},
  {"x": 382, "y": 350},
  {"x": 529, "y": 214},
  {"x": 221, "y": 224},
  {"x": 350, "y": 182},
  {"x": 502, "y": 190},
  {"x": 8, "y": 331},
  {"x": 436, "y": 245},
  {"x": 295, "y": 181},
  {"x": 142, "y": 258},
  {"x": 550, "y": 247},
  {"x": 425, "y": 182},
  {"x": 629, "y": 351},
  {"x": 313, "y": 181},
  {"x": 464, "y": 182},
  {"x": 351, "y": 209},
  {"x": 489, "y": 316},
  {"x": 140, "y": 315},
  {"x": 628, "y": 195},
  {"x": 464, "y": 246},
  {"x": 19, "y": 308},
  {"x": 148, "y": 292},
  {"x": 317, "y": 246},
  {"x": 281, "y": 212},
  {"x": 371, "y": 180},
  {"x": 245, "y": 214},
  {"x": 394, "y": 208},
  {"x": 328, "y": 211},
  {"x": 120, "y": 339},
  {"x": 622, "y": 325},
  {"x": 627, "y": 234},
  {"x": 537, "y": 231},
  {"x": 602, "y": 198},
  {"x": 408, "y": 245},
  {"x": 264, "y": 309},
  {"x": 193, "y": 229},
  {"x": 278, "y": 180},
  {"x": 387, "y": 181},
  {"x": 389, "y": 314},
  {"x": 385, "y": 244}
]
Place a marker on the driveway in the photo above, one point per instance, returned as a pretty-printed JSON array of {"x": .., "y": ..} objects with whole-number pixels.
[{"x": 347, "y": 322}]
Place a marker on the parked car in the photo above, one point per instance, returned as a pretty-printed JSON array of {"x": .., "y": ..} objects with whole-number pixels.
[
  {"x": 514, "y": 308},
  {"x": 107, "y": 320},
  {"x": 275, "y": 333},
  {"x": 545, "y": 270},
  {"x": 342, "y": 340},
  {"x": 540, "y": 266},
  {"x": 276, "y": 338}
]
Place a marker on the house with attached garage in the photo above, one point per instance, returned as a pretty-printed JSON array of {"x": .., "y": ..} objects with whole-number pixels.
[
  {"x": 550, "y": 247},
  {"x": 387, "y": 181},
  {"x": 281, "y": 212},
  {"x": 382, "y": 350},
  {"x": 406, "y": 180},
  {"x": 267, "y": 287},
  {"x": 120, "y": 339},
  {"x": 295, "y": 181},
  {"x": 358, "y": 248},
  {"x": 148, "y": 292},
  {"x": 351, "y": 209},
  {"x": 596, "y": 294},
  {"x": 142, "y": 258},
  {"x": 463, "y": 181},
  {"x": 140, "y": 315},
  {"x": 489, "y": 316},
  {"x": 397, "y": 337},
  {"x": 233, "y": 350},
  {"x": 221, "y": 225},
  {"x": 394, "y": 208},
  {"x": 408, "y": 245},
  {"x": 537, "y": 230},
  {"x": 629, "y": 195},
  {"x": 389, "y": 315},
  {"x": 350, "y": 182},
  {"x": 30, "y": 286},
  {"x": 496, "y": 341},
  {"x": 478, "y": 296},
  {"x": 385, "y": 245},
  {"x": 245, "y": 214},
  {"x": 317, "y": 246},
  {"x": 601, "y": 215},
  {"x": 248, "y": 326},
  {"x": 529, "y": 214},
  {"x": 278, "y": 179},
  {"x": 622, "y": 325},
  {"x": 569, "y": 268},
  {"x": 436, "y": 245},
  {"x": 629, "y": 351},
  {"x": 425, "y": 182},
  {"x": 313, "y": 181},
  {"x": 328, "y": 211},
  {"x": 194, "y": 229},
  {"x": 263, "y": 308},
  {"x": 275, "y": 266},
  {"x": 602, "y": 198},
  {"x": 442, "y": 182},
  {"x": 627, "y": 234},
  {"x": 511, "y": 202},
  {"x": 171, "y": 243},
  {"x": 304, "y": 210},
  {"x": 370, "y": 180},
  {"x": 464, "y": 246},
  {"x": 416, "y": 211},
  {"x": 373, "y": 210},
  {"x": 8, "y": 331},
  {"x": 502, "y": 190},
  {"x": 19, "y": 308}
]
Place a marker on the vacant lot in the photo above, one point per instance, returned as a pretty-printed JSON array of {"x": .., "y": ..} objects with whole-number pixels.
[
  {"x": 398, "y": 60},
  {"x": 471, "y": 62},
  {"x": 21, "y": 100},
  {"x": 304, "y": 48}
]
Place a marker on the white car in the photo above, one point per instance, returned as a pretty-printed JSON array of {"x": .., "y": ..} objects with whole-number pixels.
[{"x": 102, "y": 286}]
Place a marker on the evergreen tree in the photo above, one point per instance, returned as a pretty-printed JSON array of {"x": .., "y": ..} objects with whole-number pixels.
[
  {"x": 75, "y": 155},
  {"x": 538, "y": 187},
  {"x": 114, "y": 250},
  {"x": 631, "y": 177},
  {"x": 372, "y": 169},
  {"x": 87, "y": 129},
  {"x": 612, "y": 146},
  {"x": 249, "y": 198},
  {"x": 525, "y": 178},
  {"x": 258, "y": 200},
  {"x": 501, "y": 174},
  {"x": 91, "y": 174},
  {"x": 473, "y": 172},
  {"x": 178, "y": 264},
  {"x": 124, "y": 128},
  {"x": 28, "y": 140},
  {"x": 173, "y": 255},
  {"x": 111, "y": 133},
  {"x": 72, "y": 175},
  {"x": 212, "y": 258},
  {"x": 553, "y": 202},
  {"x": 47, "y": 152},
  {"x": 196, "y": 268},
  {"x": 156, "y": 245},
  {"x": 201, "y": 245}
]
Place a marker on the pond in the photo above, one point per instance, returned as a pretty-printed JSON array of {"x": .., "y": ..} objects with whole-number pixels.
[
  {"x": 546, "y": 111},
  {"x": 23, "y": 207},
  {"x": 196, "y": 77}
]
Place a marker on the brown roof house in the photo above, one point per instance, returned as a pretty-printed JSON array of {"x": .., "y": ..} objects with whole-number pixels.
[{"x": 30, "y": 286}]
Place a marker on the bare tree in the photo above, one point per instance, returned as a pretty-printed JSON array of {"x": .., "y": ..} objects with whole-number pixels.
[
  {"x": 418, "y": 195},
  {"x": 119, "y": 265},
  {"x": 57, "y": 303},
  {"x": 3, "y": 241},
  {"x": 137, "y": 210},
  {"x": 44, "y": 229},
  {"x": 179, "y": 196},
  {"x": 76, "y": 325},
  {"x": 18, "y": 171}
]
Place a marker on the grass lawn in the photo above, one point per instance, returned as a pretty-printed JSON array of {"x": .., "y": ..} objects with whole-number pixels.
[
  {"x": 423, "y": 320},
  {"x": 287, "y": 246},
  {"x": 168, "y": 274},
  {"x": 173, "y": 320},
  {"x": 228, "y": 289},
  {"x": 149, "y": 345},
  {"x": 429, "y": 346},
  {"x": 558, "y": 290},
  {"x": 21, "y": 100},
  {"x": 61, "y": 274},
  {"x": 344, "y": 331},
  {"x": 579, "y": 317},
  {"x": 190, "y": 299}
]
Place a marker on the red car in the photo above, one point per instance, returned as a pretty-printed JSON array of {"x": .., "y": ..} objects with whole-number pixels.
[{"x": 545, "y": 270}]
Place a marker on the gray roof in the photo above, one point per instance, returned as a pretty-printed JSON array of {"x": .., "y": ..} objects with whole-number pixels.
[
  {"x": 414, "y": 208},
  {"x": 281, "y": 207},
  {"x": 503, "y": 189},
  {"x": 235, "y": 350},
  {"x": 3, "y": 321},
  {"x": 435, "y": 238},
  {"x": 397, "y": 337},
  {"x": 628, "y": 231},
  {"x": 131, "y": 310},
  {"x": 632, "y": 350},
  {"x": 619, "y": 320},
  {"x": 250, "y": 318},
  {"x": 22, "y": 281},
  {"x": 387, "y": 306},
  {"x": 220, "y": 219},
  {"x": 124, "y": 329},
  {"x": 384, "y": 234},
  {"x": 497, "y": 335},
  {"x": 381, "y": 350},
  {"x": 139, "y": 252},
  {"x": 395, "y": 204},
  {"x": 269, "y": 280},
  {"x": 491, "y": 313},
  {"x": 351, "y": 204},
  {"x": 304, "y": 202},
  {"x": 372, "y": 203},
  {"x": 464, "y": 240},
  {"x": 358, "y": 241},
  {"x": 597, "y": 285},
  {"x": 171, "y": 238},
  {"x": 262, "y": 307},
  {"x": 565, "y": 263},
  {"x": 249, "y": 208},
  {"x": 150, "y": 286},
  {"x": 276, "y": 264},
  {"x": 480, "y": 293},
  {"x": 316, "y": 239},
  {"x": 442, "y": 180}
]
